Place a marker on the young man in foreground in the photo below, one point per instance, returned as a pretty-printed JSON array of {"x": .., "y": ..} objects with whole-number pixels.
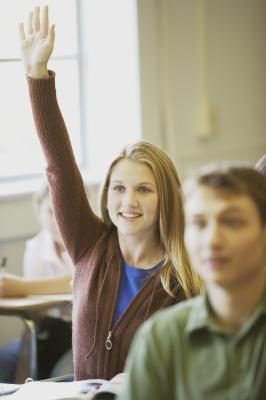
[{"x": 213, "y": 346}]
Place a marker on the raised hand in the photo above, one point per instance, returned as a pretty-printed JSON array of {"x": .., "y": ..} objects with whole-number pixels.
[{"x": 37, "y": 43}]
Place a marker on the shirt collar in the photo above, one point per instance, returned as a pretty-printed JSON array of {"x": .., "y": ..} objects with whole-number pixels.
[{"x": 201, "y": 317}]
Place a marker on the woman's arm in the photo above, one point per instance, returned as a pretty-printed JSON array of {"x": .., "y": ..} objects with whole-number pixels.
[
  {"x": 79, "y": 226},
  {"x": 15, "y": 286}
]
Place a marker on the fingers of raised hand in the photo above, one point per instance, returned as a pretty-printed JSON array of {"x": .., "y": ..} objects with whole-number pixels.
[
  {"x": 51, "y": 34},
  {"x": 44, "y": 21},
  {"x": 36, "y": 23},
  {"x": 21, "y": 31},
  {"x": 36, "y": 19},
  {"x": 29, "y": 24}
]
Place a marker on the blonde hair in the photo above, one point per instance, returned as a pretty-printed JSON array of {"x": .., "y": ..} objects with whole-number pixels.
[{"x": 176, "y": 269}]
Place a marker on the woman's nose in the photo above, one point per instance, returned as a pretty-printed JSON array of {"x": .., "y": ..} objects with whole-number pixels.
[{"x": 130, "y": 198}]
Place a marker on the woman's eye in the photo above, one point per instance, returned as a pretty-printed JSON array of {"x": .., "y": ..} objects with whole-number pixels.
[
  {"x": 144, "y": 189},
  {"x": 118, "y": 188}
]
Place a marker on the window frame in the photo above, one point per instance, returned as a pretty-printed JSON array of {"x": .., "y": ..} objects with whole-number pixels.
[{"x": 33, "y": 179}]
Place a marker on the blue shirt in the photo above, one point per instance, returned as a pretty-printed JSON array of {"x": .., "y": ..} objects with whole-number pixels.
[{"x": 132, "y": 281}]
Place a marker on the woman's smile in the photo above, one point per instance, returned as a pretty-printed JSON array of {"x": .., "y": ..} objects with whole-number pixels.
[{"x": 130, "y": 216}]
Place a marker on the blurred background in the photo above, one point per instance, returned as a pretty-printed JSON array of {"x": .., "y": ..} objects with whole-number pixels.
[{"x": 187, "y": 75}]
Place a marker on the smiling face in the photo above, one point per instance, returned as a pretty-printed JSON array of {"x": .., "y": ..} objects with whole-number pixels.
[
  {"x": 225, "y": 237},
  {"x": 132, "y": 199}
]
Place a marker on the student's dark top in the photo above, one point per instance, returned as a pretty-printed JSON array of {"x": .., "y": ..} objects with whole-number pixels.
[{"x": 94, "y": 250}]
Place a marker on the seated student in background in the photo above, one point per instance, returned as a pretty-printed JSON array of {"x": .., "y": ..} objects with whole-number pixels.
[
  {"x": 261, "y": 165},
  {"x": 47, "y": 269},
  {"x": 212, "y": 347},
  {"x": 130, "y": 262}
]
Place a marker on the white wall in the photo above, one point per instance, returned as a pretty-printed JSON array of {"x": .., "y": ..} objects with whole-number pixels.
[{"x": 178, "y": 69}]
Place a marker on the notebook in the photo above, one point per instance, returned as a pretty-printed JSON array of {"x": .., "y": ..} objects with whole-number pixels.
[{"x": 77, "y": 390}]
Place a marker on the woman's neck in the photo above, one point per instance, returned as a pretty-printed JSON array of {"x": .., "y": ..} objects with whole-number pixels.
[
  {"x": 233, "y": 307},
  {"x": 143, "y": 253}
]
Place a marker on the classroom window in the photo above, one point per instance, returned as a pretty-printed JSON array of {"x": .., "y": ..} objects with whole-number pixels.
[
  {"x": 96, "y": 64},
  {"x": 20, "y": 154}
]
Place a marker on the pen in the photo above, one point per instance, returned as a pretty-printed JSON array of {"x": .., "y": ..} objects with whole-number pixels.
[{"x": 3, "y": 265}]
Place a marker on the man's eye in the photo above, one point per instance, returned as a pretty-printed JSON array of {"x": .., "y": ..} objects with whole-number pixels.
[
  {"x": 235, "y": 223},
  {"x": 198, "y": 223}
]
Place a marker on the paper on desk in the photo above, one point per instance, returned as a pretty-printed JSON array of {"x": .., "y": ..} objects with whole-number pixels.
[
  {"x": 6, "y": 388},
  {"x": 49, "y": 391}
]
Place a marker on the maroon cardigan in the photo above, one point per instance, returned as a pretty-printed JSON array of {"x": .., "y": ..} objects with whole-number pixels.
[{"x": 94, "y": 249}]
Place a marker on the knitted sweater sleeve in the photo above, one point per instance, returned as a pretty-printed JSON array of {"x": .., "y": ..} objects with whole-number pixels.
[{"x": 77, "y": 223}]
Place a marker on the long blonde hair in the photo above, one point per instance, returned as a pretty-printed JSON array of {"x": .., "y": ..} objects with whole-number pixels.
[{"x": 176, "y": 270}]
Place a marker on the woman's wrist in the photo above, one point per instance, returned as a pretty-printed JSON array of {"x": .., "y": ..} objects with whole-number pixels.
[{"x": 38, "y": 72}]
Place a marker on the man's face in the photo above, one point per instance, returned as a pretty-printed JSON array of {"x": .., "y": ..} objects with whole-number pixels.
[{"x": 225, "y": 237}]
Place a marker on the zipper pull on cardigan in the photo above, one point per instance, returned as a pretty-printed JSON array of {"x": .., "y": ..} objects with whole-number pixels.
[{"x": 108, "y": 342}]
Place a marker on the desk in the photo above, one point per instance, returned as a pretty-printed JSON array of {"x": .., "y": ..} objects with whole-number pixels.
[{"x": 24, "y": 308}]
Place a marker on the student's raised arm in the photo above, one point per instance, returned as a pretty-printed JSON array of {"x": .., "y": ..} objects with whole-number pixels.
[{"x": 79, "y": 226}]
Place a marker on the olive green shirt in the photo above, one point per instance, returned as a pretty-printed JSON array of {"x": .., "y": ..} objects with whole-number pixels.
[{"x": 183, "y": 354}]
